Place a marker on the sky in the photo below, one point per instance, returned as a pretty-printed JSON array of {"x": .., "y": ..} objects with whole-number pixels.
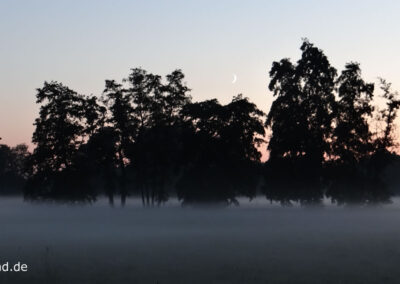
[{"x": 83, "y": 42}]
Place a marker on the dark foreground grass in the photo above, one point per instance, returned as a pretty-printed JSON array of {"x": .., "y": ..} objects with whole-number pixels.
[{"x": 97, "y": 244}]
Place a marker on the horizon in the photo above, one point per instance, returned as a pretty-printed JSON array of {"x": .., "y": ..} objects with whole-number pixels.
[{"x": 84, "y": 44}]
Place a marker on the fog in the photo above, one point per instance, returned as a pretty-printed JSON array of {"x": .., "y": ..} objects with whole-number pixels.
[{"x": 253, "y": 243}]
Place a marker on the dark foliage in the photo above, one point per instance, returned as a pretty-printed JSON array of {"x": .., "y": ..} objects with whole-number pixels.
[
  {"x": 145, "y": 137},
  {"x": 220, "y": 149},
  {"x": 321, "y": 141},
  {"x": 66, "y": 120},
  {"x": 13, "y": 168}
]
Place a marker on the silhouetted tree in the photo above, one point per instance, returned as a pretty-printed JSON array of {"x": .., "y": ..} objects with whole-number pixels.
[
  {"x": 320, "y": 142},
  {"x": 122, "y": 119},
  {"x": 61, "y": 129},
  {"x": 301, "y": 117},
  {"x": 385, "y": 141},
  {"x": 304, "y": 109},
  {"x": 220, "y": 148},
  {"x": 151, "y": 138},
  {"x": 157, "y": 148},
  {"x": 352, "y": 137},
  {"x": 364, "y": 181},
  {"x": 202, "y": 179},
  {"x": 348, "y": 173},
  {"x": 13, "y": 168},
  {"x": 147, "y": 112}
]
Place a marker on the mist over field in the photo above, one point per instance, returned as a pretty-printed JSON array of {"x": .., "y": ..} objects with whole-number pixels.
[{"x": 247, "y": 244}]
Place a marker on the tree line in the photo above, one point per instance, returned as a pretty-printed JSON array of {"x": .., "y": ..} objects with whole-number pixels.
[{"x": 146, "y": 137}]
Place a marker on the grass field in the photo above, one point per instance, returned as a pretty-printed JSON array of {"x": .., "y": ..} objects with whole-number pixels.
[{"x": 98, "y": 244}]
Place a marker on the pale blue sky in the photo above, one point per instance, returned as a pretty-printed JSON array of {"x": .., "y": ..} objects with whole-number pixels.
[{"x": 82, "y": 43}]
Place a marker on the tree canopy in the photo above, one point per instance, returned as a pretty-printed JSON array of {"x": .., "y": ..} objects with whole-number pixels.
[{"x": 145, "y": 136}]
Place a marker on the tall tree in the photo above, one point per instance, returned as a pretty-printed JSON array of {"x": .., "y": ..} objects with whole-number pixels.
[
  {"x": 157, "y": 149},
  {"x": 301, "y": 117},
  {"x": 349, "y": 175},
  {"x": 287, "y": 117},
  {"x": 352, "y": 136},
  {"x": 66, "y": 119},
  {"x": 121, "y": 118},
  {"x": 59, "y": 128},
  {"x": 143, "y": 111}
]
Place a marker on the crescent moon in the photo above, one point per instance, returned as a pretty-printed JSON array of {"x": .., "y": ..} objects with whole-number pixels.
[{"x": 234, "y": 79}]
